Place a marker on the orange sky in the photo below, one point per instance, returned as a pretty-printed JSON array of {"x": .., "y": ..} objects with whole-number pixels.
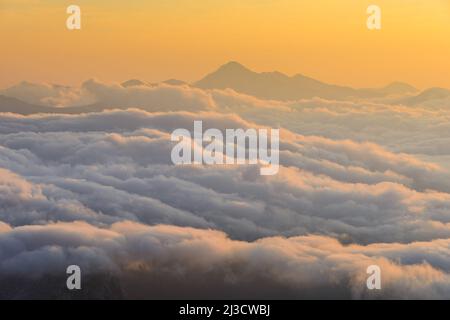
[{"x": 185, "y": 39}]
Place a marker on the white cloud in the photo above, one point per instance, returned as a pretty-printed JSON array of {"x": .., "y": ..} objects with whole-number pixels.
[
  {"x": 309, "y": 266},
  {"x": 116, "y": 165},
  {"x": 371, "y": 176}
]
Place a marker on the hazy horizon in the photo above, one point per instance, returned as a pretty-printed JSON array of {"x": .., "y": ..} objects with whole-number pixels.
[{"x": 193, "y": 81}]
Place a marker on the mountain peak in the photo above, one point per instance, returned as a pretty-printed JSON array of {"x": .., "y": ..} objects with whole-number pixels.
[
  {"x": 175, "y": 82},
  {"x": 278, "y": 86},
  {"x": 232, "y": 67},
  {"x": 427, "y": 96},
  {"x": 266, "y": 85},
  {"x": 400, "y": 87}
]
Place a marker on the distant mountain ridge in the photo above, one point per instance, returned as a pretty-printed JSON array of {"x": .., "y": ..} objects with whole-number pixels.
[
  {"x": 9, "y": 104},
  {"x": 14, "y": 105},
  {"x": 133, "y": 83},
  {"x": 426, "y": 96},
  {"x": 265, "y": 85},
  {"x": 278, "y": 86},
  {"x": 137, "y": 82}
]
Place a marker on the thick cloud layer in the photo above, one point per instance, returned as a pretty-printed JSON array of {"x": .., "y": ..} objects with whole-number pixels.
[
  {"x": 398, "y": 127},
  {"x": 354, "y": 191},
  {"x": 296, "y": 267},
  {"x": 359, "y": 184}
]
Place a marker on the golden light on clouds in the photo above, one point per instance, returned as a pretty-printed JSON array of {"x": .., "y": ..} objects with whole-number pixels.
[{"x": 155, "y": 40}]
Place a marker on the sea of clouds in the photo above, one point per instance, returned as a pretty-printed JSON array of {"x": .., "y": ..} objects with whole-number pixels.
[{"x": 360, "y": 183}]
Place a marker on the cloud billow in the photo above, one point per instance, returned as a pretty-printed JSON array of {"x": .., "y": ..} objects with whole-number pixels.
[{"x": 99, "y": 189}]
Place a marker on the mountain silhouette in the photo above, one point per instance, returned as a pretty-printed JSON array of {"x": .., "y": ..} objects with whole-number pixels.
[
  {"x": 132, "y": 83},
  {"x": 278, "y": 86},
  {"x": 426, "y": 95},
  {"x": 9, "y": 104},
  {"x": 175, "y": 82},
  {"x": 13, "y": 105}
]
